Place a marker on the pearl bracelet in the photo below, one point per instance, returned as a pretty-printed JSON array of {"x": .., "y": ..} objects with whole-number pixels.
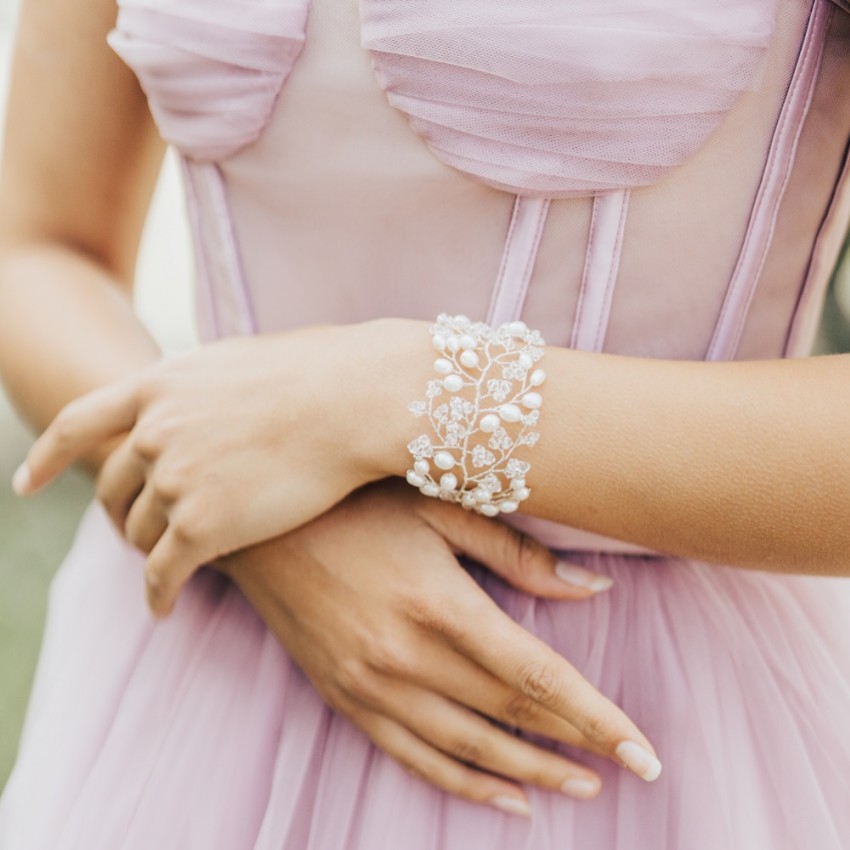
[{"x": 490, "y": 379}]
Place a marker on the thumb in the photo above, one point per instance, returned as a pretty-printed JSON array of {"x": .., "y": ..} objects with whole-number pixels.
[{"x": 518, "y": 558}]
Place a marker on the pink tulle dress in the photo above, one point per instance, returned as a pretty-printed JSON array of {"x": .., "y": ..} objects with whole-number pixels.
[{"x": 659, "y": 178}]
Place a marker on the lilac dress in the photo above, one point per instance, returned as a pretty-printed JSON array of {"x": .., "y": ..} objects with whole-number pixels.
[{"x": 660, "y": 178}]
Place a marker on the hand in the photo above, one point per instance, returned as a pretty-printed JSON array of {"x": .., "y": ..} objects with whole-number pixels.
[
  {"x": 370, "y": 601},
  {"x": 233, "y": 444}
]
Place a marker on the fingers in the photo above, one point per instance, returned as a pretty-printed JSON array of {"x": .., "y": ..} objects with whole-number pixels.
[
  {"x": 467, "y": 684},
  {"x": 77, "y": 430},
  {"x": 535, "y": 670},
  {"x": 448, "y": 774},
  {"x": 120, "y": 481},
  {"x": 517, "y": 557},
  {"x": 469, "y": 738},
  {"x": 146, "y": 521},
  {"x": 173, "y": 560}
]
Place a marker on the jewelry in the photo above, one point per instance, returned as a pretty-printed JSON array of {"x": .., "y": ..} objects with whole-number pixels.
[{"x": 481, "y": 408}]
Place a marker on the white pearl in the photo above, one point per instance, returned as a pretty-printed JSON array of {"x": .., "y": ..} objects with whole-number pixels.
[
  {"x": 468, "y": 501},
  {"x": 448, "y": 481},
  {"x": 521, "y": 493},
  {"x": 538, "y": 376},
  {"x": 481, "y": 495},
  {"x": 508, "y": 506},
  {"x": 489, "y": 423},
  {"x": 462, "y": 321},
  {"x": 510, "y": 413},
  {"x": 443, "y": 460},
  {"x": 467, "y": 342},
  {"x": 415, "y": 479},
  {"x": 453, "y": 383},
  {"x": 430, "y": 490},
  {"x": 422, "y": 467},
  {"x": 517, "y": 328},
  {"x": 488, "y": 510},
  {"x": 443, "y": 366},
  {"x": 439, "y": 342},
  {"x": 525, "y": 360},
  {"x": 453, "y": 344},
  {"x": 469, "y": 359},
  {"x": 518, "y": 483},
  {"x": 532, "y": 400}
]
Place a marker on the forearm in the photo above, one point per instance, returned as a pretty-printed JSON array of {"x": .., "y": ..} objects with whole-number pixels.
[
  {"x": 66, "y": 326},
  {"x": 738, "y": 463}
]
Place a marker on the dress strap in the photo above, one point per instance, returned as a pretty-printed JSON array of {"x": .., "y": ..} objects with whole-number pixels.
[
  {"x": 777, "y": 169},
  {"x": 602, "y": 262},
  {"x": 520, "y": 252}
]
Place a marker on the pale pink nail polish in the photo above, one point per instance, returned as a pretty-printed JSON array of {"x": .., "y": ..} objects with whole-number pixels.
[
  {"x": 511, "y": 805},
  {"x": 639, "y": 760},
  {"x": 22, "y": 479},
  {"x": 579, "y": 787},
  {"x": 580, "y": 577}
]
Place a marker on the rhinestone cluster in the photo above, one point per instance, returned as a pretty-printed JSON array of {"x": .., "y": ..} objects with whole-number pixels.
[{"x": 483, "y": 404}]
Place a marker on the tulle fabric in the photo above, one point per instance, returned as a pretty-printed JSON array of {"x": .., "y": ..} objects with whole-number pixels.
[
  {"x": 211, "y": 72},
  {"x": 569, "y": 98},
  {"x": 201, "y": 733}
]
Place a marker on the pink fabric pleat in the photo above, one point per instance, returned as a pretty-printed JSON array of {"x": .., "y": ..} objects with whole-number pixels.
[
  {"x": 566, "y": 99},
  {"x": 211, "y": 71},
  {"x": 200, "y": 733}
]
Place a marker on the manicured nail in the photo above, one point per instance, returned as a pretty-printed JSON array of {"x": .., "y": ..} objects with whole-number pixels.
[
  {"x": 582, "y": 788},
  {"x": 511, "y": 805},
  {"x": 580, "y": 577},
  {"x": 639, "y": 760},
  {"x": 22, "y": 479}
]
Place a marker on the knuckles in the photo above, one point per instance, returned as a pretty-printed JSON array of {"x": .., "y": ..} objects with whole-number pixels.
[
  {"x": 521, "y": 710},
  {"x": 540, "y": 682},
  {"x": 432, "y": 614},
  {"x": 474, "y": 752},
  {"x": 151, "y": 437},
  {"x": 354, "y": 679},
  {"x": 167, "y": 483}
]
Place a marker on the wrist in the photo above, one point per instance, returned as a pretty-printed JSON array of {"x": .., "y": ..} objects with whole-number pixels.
[{"x": 395, "y": 366}]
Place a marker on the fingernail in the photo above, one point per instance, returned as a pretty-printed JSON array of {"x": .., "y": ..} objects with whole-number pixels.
[
  {"x": 583, "y": 788},
  {"x": 22, "y": 479},
  {"x": 580, "y": 577},
  {"x": 639, "y": 760},
  {"x": 511, "y": 805}
]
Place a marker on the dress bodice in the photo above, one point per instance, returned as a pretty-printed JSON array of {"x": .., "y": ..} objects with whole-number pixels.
[
  {"x": 526, "y": 95},
  {"x": 635, "y": 176}
]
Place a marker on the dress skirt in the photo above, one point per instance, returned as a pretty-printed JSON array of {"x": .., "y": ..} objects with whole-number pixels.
[{"x": 199, "y": 733}]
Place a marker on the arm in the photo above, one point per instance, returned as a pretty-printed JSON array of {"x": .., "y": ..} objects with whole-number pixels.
[
  {"x": 80, "y": 161},
  {"x": 741, "y": 463}
]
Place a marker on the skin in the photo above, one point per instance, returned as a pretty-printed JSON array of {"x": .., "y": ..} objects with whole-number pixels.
[
  {"x": 704, "y": 461},
  {"x": 81, "y": 156}
]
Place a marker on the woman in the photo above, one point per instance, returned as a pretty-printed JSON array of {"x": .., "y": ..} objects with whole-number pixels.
[{"x": 664, "y": 185}]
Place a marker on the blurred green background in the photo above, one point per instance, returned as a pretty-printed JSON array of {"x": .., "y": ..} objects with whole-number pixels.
[{"x": 35, "y": 533}]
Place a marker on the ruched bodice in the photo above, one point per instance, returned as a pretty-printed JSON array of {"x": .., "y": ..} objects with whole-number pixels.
[{"x": 557, "y": 100}]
